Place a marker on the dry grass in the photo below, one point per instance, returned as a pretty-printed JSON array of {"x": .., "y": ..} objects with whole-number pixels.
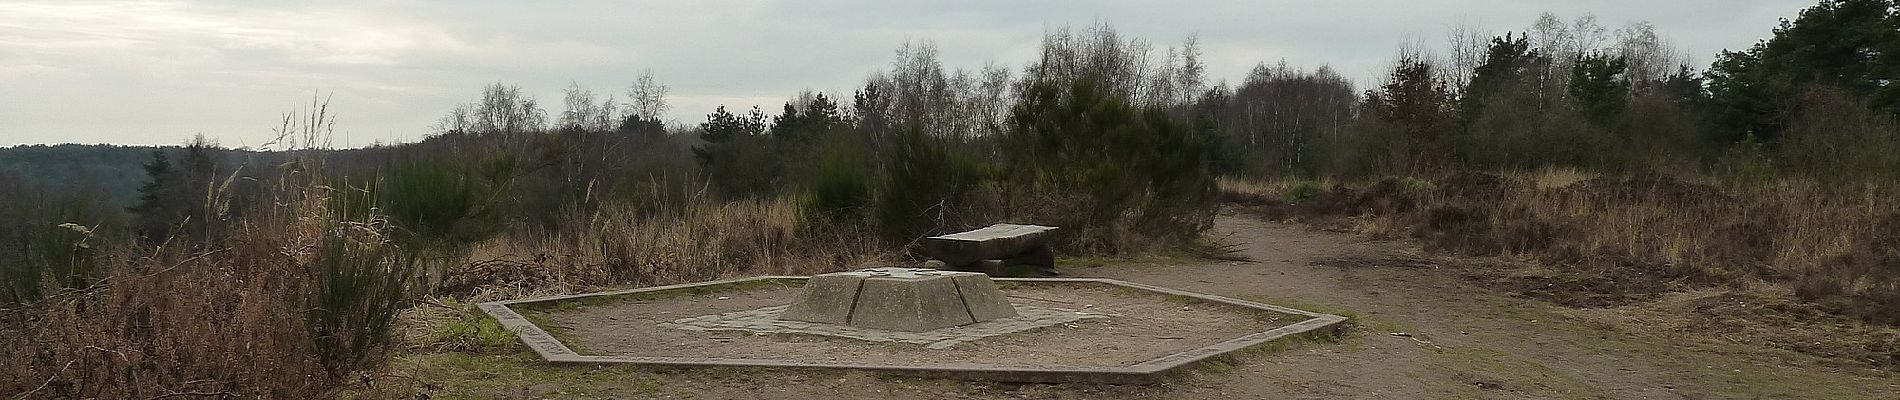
[
  {"x": 1581, "y": 240},
  {"x": 227, "y": 320},
  {"x": 277, "y": 309},
  {"x": 704, "y": 240}
]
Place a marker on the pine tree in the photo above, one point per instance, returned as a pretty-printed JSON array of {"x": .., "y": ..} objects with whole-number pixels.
[{"x": 157, "y": 209}]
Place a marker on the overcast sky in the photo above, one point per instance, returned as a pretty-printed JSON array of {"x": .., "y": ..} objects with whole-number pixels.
[{"x": 158, "y": 72}]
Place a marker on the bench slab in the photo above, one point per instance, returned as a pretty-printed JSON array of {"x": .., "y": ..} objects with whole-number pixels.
[{"x": 993, "y": 242}]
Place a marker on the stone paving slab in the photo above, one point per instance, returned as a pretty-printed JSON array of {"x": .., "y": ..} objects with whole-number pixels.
[{"x": 766, "y": 320}]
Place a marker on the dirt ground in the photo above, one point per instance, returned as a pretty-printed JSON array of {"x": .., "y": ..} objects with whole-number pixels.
[
  {"x": 1419, "y": 332},
  {"x": 1141, "y": 327}
]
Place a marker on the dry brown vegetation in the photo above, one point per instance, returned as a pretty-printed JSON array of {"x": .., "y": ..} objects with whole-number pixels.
[
  {"x": 234, "y": 319},
  {"x": 705, "y": 240},
  {"x": 1807, "y": 254}
]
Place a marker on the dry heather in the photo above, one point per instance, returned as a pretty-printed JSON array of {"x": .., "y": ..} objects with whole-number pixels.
[
  {"x": 232, "y": 319},
  {"x": 1593, "y": 241},
  {"x": 704, "y": 240}
]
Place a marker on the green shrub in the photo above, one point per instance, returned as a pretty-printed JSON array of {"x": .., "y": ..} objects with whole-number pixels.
[
  {"x": 443, "y": 204},
  {"x": 1745, "y": 164},
  {"x": 838, "y": 180},
  {"x": 924, "y": 179},
  {"x": 1133, "y": 176},
  {"x": 1415, "y": 185},
  {"x": 1302, "y": 190},
  {"x": 362, "y": 281}
]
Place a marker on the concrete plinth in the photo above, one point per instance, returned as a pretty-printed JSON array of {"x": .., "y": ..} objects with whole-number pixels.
[
  {"x": 826, "y": 299},
  {"x": 900, "y": 299}
]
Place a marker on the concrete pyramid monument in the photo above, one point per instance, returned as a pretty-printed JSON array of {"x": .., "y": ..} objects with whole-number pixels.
[{"x": 900, "y": 299}]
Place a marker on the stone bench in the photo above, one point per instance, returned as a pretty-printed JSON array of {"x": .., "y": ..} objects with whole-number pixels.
[{"x": 996, "y": 249}]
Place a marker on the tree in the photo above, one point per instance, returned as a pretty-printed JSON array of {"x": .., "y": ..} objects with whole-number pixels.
[
  {"x": 1419, "y": 107},
  {"x": 157, "y": 208},
  {"x": 1132, "y": 167},
  {"x": 1510, "y": 64},
  {"x": 646, "y": 99},
  {"x": 583, "y": 114},
  {"x": 1650, "y": 60},
  {"x": 502, "y": 110},
  {"x": 737, "y": 155},
  {"x": 1596, "y": 83},
  {"x": 1278, "y": 113},
  {"x": 798, "y": 125},
  {"x": 1852, "y": 45}
]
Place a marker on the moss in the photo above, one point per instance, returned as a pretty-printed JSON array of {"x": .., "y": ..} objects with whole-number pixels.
[
  {"x": 517, "y": 374},
  {"x": 473, "y": 332}
]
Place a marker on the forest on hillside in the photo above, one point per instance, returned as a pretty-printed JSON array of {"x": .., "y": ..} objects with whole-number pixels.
[{"x": 1769, "y": 166}]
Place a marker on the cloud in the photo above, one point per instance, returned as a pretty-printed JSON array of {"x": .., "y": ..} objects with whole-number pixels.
[{"x": 160, "y": 71}]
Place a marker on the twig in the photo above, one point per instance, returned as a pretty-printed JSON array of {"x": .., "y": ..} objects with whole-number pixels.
[{"x": 49, "y": 380}]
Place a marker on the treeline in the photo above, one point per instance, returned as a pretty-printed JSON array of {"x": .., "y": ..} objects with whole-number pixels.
[{"x": 1811, "y": 102}]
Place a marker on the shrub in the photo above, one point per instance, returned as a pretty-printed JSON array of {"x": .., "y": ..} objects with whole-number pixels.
[
  {"x": 1745, "y": 164},
  {"x": 838, "y": 179},
  {"x": 1300, "y": 191},
  {"x": 1837, "y": 139},
  {"x": 362, "y": 281},
  {"x": 925, "y": 178},
  {"x": 441, "y": 204},
  {"x": 1132, "y": 176}
]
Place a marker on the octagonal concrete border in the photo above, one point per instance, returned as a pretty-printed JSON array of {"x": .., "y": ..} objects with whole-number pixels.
[{"x": 1144, "y": 372}]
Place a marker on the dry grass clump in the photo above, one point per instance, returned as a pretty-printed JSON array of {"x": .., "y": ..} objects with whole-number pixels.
[
  {"x": 221, "y": 323},
  {"x": 1599, "y": 241}
]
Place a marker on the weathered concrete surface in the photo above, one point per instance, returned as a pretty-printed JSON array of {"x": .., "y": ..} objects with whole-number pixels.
[
  {"x": 826, "y": 299},
  {"x": 900, "y": 299},
  {"x": 910, "y": 304},
  {"x": 768, "y": 320},
  {"x": 998, "y": 241},
  {"x": 981, "y": 297},
  {"x": 1146, "y": 372}
]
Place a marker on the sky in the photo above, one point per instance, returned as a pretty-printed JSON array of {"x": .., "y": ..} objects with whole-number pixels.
[{"x": 160, "y": 72}]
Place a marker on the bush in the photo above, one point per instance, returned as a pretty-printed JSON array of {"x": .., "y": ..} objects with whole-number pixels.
[
  {"x": 441, "y": 204},
  {"x": 1300, "y": 191},
  {"x": 925, "y": 179},
  {"x": 837, "y": 181},
  {"x": 362, "y": 282},
  {"x": 1836, "y": 139},
  {"x": 1745, "y": 164},
  {"x": 1132, "y": 176}
]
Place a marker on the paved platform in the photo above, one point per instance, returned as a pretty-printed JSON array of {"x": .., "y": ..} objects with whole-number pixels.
[
  {"x": 1150, "y": 371},
  {"x": 766, "y": 320}
]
